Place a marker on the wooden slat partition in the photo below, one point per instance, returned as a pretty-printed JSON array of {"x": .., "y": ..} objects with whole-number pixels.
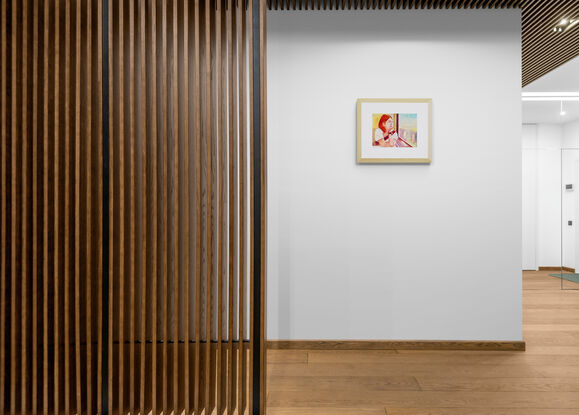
[
  {"x": 168, "y": 120},
  {"x": 180, "y": 150},
  {"x": 50, "y": 190}
]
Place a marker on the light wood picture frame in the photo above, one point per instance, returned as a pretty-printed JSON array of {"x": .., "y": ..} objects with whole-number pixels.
[{"x": 394, "y": 130}]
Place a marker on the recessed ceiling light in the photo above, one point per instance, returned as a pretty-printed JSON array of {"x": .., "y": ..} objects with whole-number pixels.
[
  {"x": 564, "y": 25},
  {"x": 563, "y": 112}
]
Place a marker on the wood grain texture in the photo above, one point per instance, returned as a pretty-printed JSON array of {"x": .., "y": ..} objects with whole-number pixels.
[
  {"x": 208, "y": 246},
  {"x": 45, "y": 208},
  {"x": 77, "y": 214},
  {"x": 44, "y": 335},
  {"x": 145, "y": 247},
  {"x": 67, "y": 202},
  {"x": 56, "y": 221},
  {"x": 177, "y": 295},
  {"x": 3, "y": 196},
  {"x": 112, "y": 170},
  {"x": 176, "y": 193},
  {"x": 165, "y": 211},
  {"x": 24, "y": 201},
  {"x": 121, "y": 146},
  {"x": 221, "y": 183},
  {"x": 132, "y": 315},
  {"x": 13, "y": 213},
  {"x": 154, "y": 204},
  {"x": 394, "y": 345},
  {"x": 89, "y": 209},
  {"x": 232, "y": 203},
  {"x": 35, "y": 169},
  {"x": 242, "y": 104},
  {"x": 99, "y": 85},
  {"x": 187, "y": 283},
  {"x": 198, "y": 404}
]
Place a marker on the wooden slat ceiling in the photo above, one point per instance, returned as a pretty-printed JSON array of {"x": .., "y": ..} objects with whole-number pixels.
[{"x": 542, "y": 49}]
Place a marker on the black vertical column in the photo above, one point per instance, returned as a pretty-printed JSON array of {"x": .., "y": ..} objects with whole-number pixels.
[{"x": 256, "y": 103}]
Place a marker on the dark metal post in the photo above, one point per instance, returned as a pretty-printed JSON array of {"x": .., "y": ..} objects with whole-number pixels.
[{"x": 256, "y": 103}]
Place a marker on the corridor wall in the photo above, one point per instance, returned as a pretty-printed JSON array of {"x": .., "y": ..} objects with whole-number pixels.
[{"x": 423, "y": 252}]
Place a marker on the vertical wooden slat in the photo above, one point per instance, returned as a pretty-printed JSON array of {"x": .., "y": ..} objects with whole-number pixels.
[
  {"x": 3, "y": 241},
  {"x": 24, "y": 212},
  {"x": 154, "y": 203},
  {"x": 209, "y": 187},
  {"x": 232, "y": 205},
  {"x": 121, "y": 177},
  {"x": 252, "y": 197},
  {"x": 100, "y": 345},
  {"x": 242, "y": 50},
  {"x": 186, "y": 253},
  {"x": 56, "y": 222},
  {"x": 176, "y": 223},
  {"x": 34, "y": 377},
  {"x": 165, "y": 213},
  {"x": 13, "y": 205},
  {"x": 144, "y": 121},
  {"x": 263, "y": 218},
  {"x": 67, "y": 215},
  {"x": 77, "y": 181},
  {"x": 132, "y": 208},
  {"x": 112, "y": 171},
  {"x": 45, "y": 242},
  {"x": 198, "y": 212},
  {"x": 88, "y": 231},
  {"x": 220, "y": 211}
]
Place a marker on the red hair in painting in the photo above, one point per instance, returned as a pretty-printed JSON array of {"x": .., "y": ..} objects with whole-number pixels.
[{"x": 382, "y": 122}]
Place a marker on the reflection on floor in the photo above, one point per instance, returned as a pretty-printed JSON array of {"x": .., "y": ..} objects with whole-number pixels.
[
  {"x": 567, "y": 276},
  {"x": 544, "y": 380}
]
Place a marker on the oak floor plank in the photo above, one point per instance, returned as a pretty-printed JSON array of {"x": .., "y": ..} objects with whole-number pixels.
[
  {"x": 287, "y": 356},
  {"x": 499, "y": 385},
  {"x": 425, "y": 399},
  {"x": 448, "y": 357},
  {"x": 327, "y": 411},
  {"x": 476, "y": 411},
  {"x": 345, "y": 383},
  {"x": 408, "y": 369}
]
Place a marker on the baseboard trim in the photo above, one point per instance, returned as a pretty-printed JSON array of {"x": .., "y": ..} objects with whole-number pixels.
[
  {"x": 568, "y": 269},
  {"x": 516, "y": 346}
]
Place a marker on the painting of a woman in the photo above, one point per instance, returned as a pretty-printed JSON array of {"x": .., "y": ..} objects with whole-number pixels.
[{"x": 386, "y": 135}]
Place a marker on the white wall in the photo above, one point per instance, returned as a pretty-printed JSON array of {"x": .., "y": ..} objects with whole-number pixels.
[
  {"x": 570, "y": 172},
  {"x": 394, "y": 251},
  {"x": 529, "y": 215},
  {"x": 549, "y": 142},
  {"x": 550, "y": 156},
  {"x": 571, "y": 135}
]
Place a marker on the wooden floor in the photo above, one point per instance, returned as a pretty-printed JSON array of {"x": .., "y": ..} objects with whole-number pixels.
[{"x": 544, "y": 380}]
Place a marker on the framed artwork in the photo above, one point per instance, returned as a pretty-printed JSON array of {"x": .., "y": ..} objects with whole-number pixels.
[{"x": 394, "y": 130}]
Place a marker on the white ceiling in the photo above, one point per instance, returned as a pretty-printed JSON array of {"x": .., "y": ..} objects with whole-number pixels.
[{"x": 563, "y": 79}]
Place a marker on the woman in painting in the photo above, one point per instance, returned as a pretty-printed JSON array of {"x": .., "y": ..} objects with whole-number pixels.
[{"x": 386, "y": 136}]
